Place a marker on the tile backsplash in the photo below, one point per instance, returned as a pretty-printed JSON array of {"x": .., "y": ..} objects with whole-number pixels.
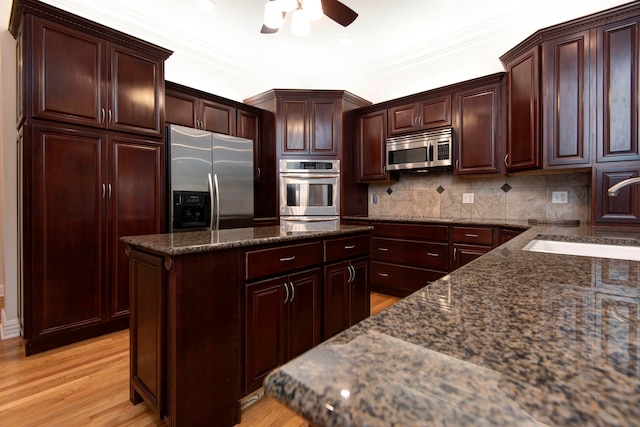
[{"x": 440, "y": 195}]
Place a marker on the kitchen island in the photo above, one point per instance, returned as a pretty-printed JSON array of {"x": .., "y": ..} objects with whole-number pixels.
[
  {"x": 512, "y": 338},
  {"x": 203, "y": 306}
]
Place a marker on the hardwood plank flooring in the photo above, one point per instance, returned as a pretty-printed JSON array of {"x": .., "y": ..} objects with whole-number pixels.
[{"x": 87, "y": 384}]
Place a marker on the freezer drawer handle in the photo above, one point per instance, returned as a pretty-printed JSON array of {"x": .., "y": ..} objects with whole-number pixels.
[{"x": 285, "y": 259}]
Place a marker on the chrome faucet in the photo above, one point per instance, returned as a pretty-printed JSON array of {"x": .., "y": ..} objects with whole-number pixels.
[{"x": 613, "y": 190}]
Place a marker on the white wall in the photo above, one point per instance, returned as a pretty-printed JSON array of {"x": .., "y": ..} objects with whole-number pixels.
[{"x": 10, "y": 322}]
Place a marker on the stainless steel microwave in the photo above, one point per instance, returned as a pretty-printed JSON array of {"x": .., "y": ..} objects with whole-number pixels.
[{"x": 421, "y": 151}]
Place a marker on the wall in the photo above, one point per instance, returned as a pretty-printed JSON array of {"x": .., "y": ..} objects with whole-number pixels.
[
  {"x": 416, "y": 195},
  {"x": 10, "y": 324}
]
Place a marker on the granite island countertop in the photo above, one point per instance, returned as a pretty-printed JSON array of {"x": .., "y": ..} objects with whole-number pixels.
[
  {"x": 512, "y": 338},
  {"x": 205, "y": 241}
]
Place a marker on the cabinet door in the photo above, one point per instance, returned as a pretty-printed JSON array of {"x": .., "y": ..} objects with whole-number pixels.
[
  {"x": 136, "y": 202},
  {"x": 435, "y": 112},
  {"x": 372, "y": 154},
  {"x": 136, "y": 93},
  {"x": 567, "y": 63},
  {"x": 180, "y": 109},
  {"x": 146, "y": 331},
  {"x": 304, "y": 312},
  {"x": 64, "y": 213},
  {"x": 523, "y": 139},
  {"x": 325, "y": 123},
  {"x": 464, "y": 254},
  {"x": 336, "y": 298},
  {"x": 248, "y": 126},
  {"x": 359, "y": 293},
  {"x": 265, "y": 326},
  {"x": 623, "y": 208},
  {"x": 403, "y": 119},
  {"x": 618, "y": 64},
  {"x": 292, "y": 131},
  {"x": 477, "y": 123},
  {"x": 218, "y": 118},
  {"x": 68, "y": 74}
]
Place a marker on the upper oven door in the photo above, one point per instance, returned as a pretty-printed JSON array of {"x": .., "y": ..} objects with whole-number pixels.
[{"x": 309, "y": 195}]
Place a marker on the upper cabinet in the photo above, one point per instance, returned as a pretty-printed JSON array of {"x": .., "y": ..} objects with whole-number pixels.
[
  {"x": 477, "y": 121},
  {"x": 308, "y": 123},
  {"x": 430, "y": 113},
  {"x": 573, "y": 91},
  {"x": 84, "y": 79},
  {"x": 618, "y": 74},
  {"x": 371, "y": 138}
]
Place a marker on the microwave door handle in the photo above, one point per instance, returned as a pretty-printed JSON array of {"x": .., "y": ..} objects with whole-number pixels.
[
  {"x": 211, "y": 207},
  {"x": 431, "y": 159}
]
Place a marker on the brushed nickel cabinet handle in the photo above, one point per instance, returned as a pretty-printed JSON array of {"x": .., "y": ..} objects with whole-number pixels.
[
  {"x": 286, "y": 288},
  {"x": 102, "y": 115},
  {"x": 103, "y": 190},
  {"x": 506, "y": 163},
  {"x": 109, "y": 116},
  {"x": 350, "y": 246},
  {"x": 433, "y": 254},
  {"x": 383, "y": 274},
  {"x": 291, "y": 258},
  {"x": 383, "y": 249},
  {"x": 109, "y": 191},
  {"x": 293, "y": 291},
  {"x": 455, "y": 251},
  {"x": 471, "y": 235}
]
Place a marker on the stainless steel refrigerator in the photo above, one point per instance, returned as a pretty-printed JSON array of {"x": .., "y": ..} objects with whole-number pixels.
[{"x": 211, "y": 180}]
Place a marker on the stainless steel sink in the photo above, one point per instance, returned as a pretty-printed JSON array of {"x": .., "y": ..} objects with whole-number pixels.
[{"x": 595, "y": 250}]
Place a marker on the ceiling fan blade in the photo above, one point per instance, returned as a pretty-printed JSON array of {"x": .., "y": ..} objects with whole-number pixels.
[
  {"x": 267, "y": 30},
  {"x": 339, "y": 12}
]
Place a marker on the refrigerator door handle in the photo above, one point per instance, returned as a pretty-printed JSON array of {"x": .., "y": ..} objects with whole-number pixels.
[
  {"x": 211, "y": 203},
  {"x": 217, "y": 189}
]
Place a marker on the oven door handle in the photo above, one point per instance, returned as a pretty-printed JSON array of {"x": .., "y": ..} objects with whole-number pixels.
[
  {"x": 311, "y": 220},
  {"x": 288, "y": 175}
]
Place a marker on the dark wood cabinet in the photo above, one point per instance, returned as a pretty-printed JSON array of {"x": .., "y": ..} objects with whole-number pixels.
[
  {"x": 346, "y": 295},
  {"x": 618, "y": 78},
  {"x": 623, "y": 208},
  {"x": 567, "y": 63},
  {"x": 81, "y": 78},
  {"x": 407, "y": 257},
  {"x": 82, "y": 191},
  {"x": 282, "y": 320},
  {"x": 91, "y": 165},
  {"x": 477, "y": 124},
  {"x": 372, "y": 144},
  {"x": 427, "y": 114},
  {"x": 469, "y": 243},
  {"x": 523, "y": 116}
]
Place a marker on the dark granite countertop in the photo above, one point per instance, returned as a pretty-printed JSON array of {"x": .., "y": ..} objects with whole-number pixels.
[
  {"x": 513, "y": 338},
  {"x": 206, "y": 241}
]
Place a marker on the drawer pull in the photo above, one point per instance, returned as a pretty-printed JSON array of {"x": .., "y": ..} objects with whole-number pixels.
[
  {"x": 383, "y": 249},
  {"x": 383, "y": 274},
  {"x": 291, "y": 258},
  {"x": 350, "y": 246},
  {"x": 471, "y": 235},
  {"x": 433, "y": 254}
]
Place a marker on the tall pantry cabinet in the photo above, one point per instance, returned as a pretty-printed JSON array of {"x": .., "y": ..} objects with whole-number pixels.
[{"x": 91, "y": 149}]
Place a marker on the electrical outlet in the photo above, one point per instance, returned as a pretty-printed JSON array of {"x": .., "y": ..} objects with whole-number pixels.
[
  {"x": 467, "y": 197},
  {"x": 560, "y": 197},
  {"x": 374, "y": 199}
]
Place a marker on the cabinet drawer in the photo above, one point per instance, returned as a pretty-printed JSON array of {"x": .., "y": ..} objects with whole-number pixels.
[
  {"x": 400, "y": 279},
  {"x": 346, "y": 247},
  {"x": 473, "y": 235},
  {"x": 264, "y": 262},
  {"x": 420, "y": 254},
  {"x": 413, "y": 231}
]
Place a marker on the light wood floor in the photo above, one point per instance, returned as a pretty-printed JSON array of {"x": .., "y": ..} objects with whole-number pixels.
[{"x": 87, "y": 383}]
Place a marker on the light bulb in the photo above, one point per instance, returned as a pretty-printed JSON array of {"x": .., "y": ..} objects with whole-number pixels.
[
  {"x": 287, "y": 5},
  {"x": 313, "y": 9},
  {"x": 299, "y": 23},
  {"x": 272, "y": 15}
]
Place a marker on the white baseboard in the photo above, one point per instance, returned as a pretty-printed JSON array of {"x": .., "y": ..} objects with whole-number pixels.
[{"x": 8, "y": 328}]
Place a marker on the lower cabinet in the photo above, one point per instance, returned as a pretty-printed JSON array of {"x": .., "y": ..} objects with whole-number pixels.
[
  {"x": 282, "y": 320},
  {"x": 346, "y": 295},
  {"x": 470, "y": 243},
  {"x": 623, "y": 208}
]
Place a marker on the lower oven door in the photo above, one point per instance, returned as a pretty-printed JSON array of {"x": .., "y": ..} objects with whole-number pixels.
[
  {"x": 309, "y": 195},
  {"x": 292, "y": 224}
]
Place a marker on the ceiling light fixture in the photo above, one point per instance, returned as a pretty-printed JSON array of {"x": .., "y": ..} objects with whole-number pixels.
[{"x": 303, "y": 12}]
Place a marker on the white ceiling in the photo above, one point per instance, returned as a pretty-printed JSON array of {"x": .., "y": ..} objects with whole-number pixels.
[{"x": 399, "y": 47}]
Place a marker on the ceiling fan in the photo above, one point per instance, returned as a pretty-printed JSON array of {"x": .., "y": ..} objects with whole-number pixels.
[{"x": 303, "y": 11}]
